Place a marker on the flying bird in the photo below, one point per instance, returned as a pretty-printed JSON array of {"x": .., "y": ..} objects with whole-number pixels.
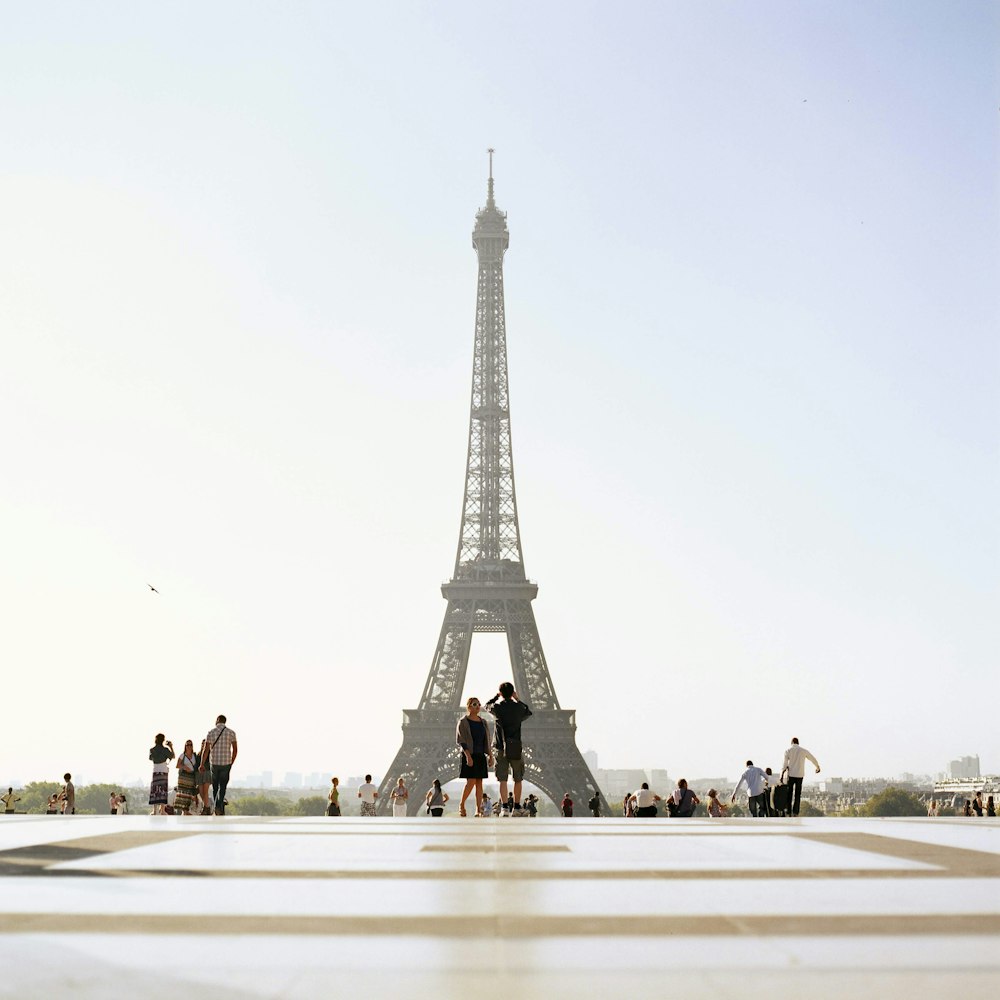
[{"x": 152, "y": 588}]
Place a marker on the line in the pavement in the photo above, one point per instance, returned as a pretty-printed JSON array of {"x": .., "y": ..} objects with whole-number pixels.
[
  {"x": 960, "y": 862},
  {"x": 532, "y": 927}
]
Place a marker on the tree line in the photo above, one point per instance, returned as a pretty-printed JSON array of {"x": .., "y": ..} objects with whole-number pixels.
[{"x": 93, "y": 800}]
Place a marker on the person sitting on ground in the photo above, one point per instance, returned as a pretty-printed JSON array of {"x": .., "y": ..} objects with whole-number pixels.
[
  {"x": 52, "y": 807},
  {"x": 645, "y": 801},
  {"x": 683, "y": 799}
]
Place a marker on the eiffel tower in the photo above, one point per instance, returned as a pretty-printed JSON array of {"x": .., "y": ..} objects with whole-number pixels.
[{"x": 489, "y": 591}]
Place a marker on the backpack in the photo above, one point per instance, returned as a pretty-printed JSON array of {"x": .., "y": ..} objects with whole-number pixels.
[{"x": 682, "y": 808}]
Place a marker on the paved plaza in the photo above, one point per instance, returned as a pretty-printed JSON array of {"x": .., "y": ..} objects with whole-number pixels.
[{"x": 154, "y": 907}]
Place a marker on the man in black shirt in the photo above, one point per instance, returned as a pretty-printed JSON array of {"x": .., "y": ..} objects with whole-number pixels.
[{"x": 510, "y": 712}]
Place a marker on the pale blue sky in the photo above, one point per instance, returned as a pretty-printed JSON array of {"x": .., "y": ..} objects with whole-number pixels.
[{"x": 752, "y": 333}]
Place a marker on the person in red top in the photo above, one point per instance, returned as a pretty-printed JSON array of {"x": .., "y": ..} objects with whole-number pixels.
[{"x": 566, "y": 805}]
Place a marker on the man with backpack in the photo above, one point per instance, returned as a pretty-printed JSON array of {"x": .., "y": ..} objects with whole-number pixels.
[{"x": 683, "y": 800}]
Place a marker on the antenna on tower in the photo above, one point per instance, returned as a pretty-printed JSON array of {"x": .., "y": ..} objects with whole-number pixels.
[{"x": 489, "y": 189}]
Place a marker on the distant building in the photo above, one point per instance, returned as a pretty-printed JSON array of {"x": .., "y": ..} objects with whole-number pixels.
[
  {"x": 965, "y": 768},
  {"x": 988, "y": 784},
  {"x": 660, "y": 781},
  {"x": 590, "y": 757},
  {"x": 619, "y": 781},
  {"x": 267, "y": 779},
  {"x": 293, "y": 779},
  {"x": 831, "y": 786}
]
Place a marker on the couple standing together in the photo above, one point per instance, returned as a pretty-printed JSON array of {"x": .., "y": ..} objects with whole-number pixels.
[{"x": 503, "y": 751}]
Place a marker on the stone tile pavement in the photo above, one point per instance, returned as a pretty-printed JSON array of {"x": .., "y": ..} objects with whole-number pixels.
[{"x": 141, "y": 906}]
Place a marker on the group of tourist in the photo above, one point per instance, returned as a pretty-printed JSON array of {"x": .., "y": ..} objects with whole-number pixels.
[
  {"x": 434, "y": 801},
  {"x": 973, "y": 807},
  {"x": 202, "y": 776},
  {"x": 482, "y": 747},
  {"x": 61, "y": 803},
  {"x": 642, "y": 802},
  {"x": 768, "y": 794},
  {"x": 500, "y": 747},
  {"x": 118, "y": 804},
  {"x": 776, "y": 795}
]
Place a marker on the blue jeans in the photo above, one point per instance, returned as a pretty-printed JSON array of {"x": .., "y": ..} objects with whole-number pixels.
[{"x": 220, "y": 782}]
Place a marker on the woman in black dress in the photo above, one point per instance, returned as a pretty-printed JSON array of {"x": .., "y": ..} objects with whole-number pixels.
[{"x": 473, "y": 737}]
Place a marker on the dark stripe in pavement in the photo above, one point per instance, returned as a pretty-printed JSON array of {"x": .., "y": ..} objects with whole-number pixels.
[{"x": 508, "y": 927}]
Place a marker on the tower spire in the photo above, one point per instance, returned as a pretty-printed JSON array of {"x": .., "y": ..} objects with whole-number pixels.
[{"x": 490, "y": 203}]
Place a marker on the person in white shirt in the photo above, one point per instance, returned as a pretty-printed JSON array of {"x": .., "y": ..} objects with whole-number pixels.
[
  {"x": 368, "y": 793},
  {"x": 399, "y": 795},
  {"x": 795, "y": 764},
  {"x": 756, "y": 781},
  {"x": 645, "y": 801}
]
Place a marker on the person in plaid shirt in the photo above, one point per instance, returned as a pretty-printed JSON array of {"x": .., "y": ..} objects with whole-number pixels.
[{"x": 221, "y": 745}]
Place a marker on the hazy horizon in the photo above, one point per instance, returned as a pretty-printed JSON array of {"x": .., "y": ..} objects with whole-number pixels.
[{"x": 752, "y": 334}]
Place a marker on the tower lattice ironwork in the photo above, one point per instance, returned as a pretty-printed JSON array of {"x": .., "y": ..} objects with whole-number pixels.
[{"x": 489, "y": 591}]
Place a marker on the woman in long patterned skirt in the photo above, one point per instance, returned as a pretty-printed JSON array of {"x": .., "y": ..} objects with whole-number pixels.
[
  {"x": 187, "y": 786},
  {"x": 159, "y": 755}
]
